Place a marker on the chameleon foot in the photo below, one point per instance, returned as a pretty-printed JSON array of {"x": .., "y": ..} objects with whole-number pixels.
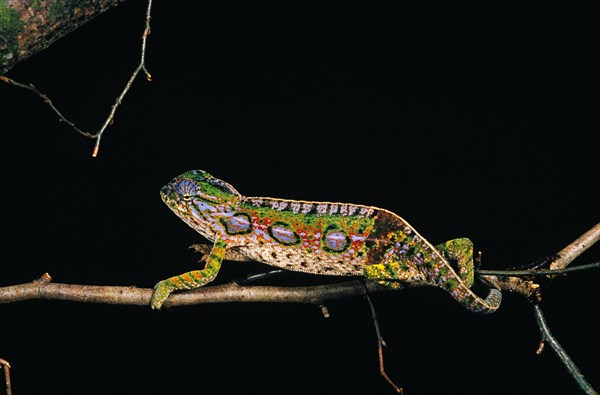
[{"x": 162, "y": 290}]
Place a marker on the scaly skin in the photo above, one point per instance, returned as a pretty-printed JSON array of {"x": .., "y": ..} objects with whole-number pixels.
[{"x": 315, "y": 237}]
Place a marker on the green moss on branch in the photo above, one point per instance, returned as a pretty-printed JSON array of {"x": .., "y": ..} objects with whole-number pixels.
[{"x": 27, "y": 27}]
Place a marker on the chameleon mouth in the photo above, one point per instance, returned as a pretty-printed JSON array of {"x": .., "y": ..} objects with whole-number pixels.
[{"x": 166, "y": 193}]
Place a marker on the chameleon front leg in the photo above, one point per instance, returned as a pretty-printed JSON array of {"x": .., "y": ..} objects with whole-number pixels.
[{"x": 193, "y": 279}]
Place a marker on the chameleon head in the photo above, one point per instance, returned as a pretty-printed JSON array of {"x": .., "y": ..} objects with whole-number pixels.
[{"x": 199, "y": 199}]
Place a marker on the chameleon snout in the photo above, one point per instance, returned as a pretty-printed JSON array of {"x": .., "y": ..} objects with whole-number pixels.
[{"x": 166, "y": 192}]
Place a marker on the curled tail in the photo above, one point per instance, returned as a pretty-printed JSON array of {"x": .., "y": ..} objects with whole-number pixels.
[
  {"x": 458, "y": 254},
  {"x": 449, "y": 267},
  {"x": 470, "y": 300}
]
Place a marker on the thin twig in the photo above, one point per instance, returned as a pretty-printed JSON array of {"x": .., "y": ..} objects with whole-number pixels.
[
  {"x": 562, "y": 354},
  {"x": 537, "y": 272},
  {"x": 141, "y": 66},
  {"x": 380, "y": 344},
  {"x": 6, "y": 367},
  {"x": 46, "y": 100},
  {"x": 109, "y": 120}
]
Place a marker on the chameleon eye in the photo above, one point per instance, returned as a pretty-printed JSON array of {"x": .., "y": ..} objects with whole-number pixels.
[
  {"x": 186, "y": 189},
  {"x": 197, "y": 184}
]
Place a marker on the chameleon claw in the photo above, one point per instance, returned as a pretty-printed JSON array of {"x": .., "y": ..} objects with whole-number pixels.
[{"x": 162, "y": 290}]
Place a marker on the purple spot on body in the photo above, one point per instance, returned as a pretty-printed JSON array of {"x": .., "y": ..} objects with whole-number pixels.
[
  {"x": 240, "y": 223},
  {"x": 336, "y": 241},
  {"x": 283, "y": 234}
]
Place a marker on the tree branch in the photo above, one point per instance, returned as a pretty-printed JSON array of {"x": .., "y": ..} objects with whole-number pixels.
[
  {"x": 576, "y": 248},
  {"x": 28, "y": 27},
  {"x": 43, "y": 288},
  {"x": 109, "y": 119}
]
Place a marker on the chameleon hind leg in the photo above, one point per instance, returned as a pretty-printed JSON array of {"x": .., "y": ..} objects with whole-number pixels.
[
  {"x": 193, "y": 279},
  {"x": 459, "y": 253}
]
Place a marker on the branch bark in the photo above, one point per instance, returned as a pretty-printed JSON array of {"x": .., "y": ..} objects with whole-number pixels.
[
  {"x": 547, "y": 336},
  {"x": 573, "y": 250},
  {"x": 43, "y": 288},
  {"x": 28, "y": 27}
]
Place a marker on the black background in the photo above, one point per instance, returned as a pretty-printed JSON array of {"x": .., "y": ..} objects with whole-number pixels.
[{"x": 466, "y": 119}]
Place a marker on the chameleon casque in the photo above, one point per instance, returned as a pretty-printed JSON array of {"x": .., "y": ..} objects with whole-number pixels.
[{"x": 315, "y": 237}]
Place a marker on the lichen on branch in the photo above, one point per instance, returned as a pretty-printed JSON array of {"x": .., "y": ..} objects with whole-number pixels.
[{"x": 28, "y": 27}]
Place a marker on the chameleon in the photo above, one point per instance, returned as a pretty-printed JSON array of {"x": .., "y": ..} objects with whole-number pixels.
[{"x": 322, "y": 238}]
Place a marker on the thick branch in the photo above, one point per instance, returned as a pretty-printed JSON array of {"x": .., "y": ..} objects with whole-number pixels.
[
  {"x": 27, "y": 27},
  {"x": 44, "y": 289},
  {"x": 576, "y": 248}
]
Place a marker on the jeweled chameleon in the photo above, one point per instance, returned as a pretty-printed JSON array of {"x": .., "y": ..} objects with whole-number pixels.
[{"x": 315, "y": 237}]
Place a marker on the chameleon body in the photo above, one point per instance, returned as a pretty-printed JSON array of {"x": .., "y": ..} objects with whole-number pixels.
[{"x": 315, "y": 237}]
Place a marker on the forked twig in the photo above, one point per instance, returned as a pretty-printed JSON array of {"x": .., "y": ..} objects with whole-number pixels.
[
  {"x": 98, "y": 135},
  {"x": 380, "y": 344},
  {"x": 141, "y": 66}
]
